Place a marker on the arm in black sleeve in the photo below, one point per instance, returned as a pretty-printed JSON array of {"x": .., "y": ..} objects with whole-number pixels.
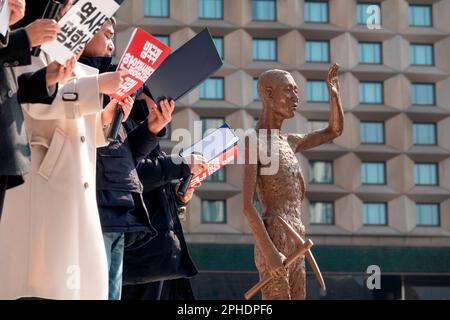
[
  {"x": 158, "y": 171},
  {"x": 17, "y": 52},
  {"x": 141, "y": 141},
  {"x": 33, "y": 88}
]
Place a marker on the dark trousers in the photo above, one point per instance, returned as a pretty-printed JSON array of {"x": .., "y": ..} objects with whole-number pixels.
[
  {"x": 3, "y": 184},
  {"x": 178, "y": 289}
]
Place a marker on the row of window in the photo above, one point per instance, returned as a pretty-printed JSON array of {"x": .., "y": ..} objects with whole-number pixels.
[
  {"x": 419, "y": 15},
  {"x": 422, "y": 94},
  {"x": 373, "y": 173},
  {"x": 368, "y": 52},
  {"x": 321, "y": 172},
  {"x": 372, "y": 132},
  {"x": 314, "y": 11},
  {"x": 319, "y": 51},
  {"x": 375, "y": 213}
]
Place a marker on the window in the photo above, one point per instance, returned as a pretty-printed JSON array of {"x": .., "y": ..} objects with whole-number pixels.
[
  {"x": 371, "y": 92},
  {"x": 374, "y": 213},
  {"x": 362, "y": 13},
  {"x": 317, "y": 91},
  {"x": 156, "y": 8},
  {"x": 211, "y": 124},
  {"x": 314, "y": 125},
  {"x": 212, "y": 88},
  {"x": 373, "y": 173},
  {"x": 420, "y": 15},
  {"x": 321, "y": 172},
  {"x": 255, "y": 90},
  {"x": 423, "y": 94},
  {"x": 265, "y": 49},
  {"x": 218, "y": 41},
  {"x": 427, "y": 214},
  {"x": 316, "y": 11},
  {"x": 210, "y": 9},
  {"x": 218, "y": 176},
  {"x": 421, "y": 54},
  {"x": 213, "y": 211},
  {"x": 163, "y": 39},
  {"x": 372, "y": 132},
  {"x": 369, "y": 52},
  {"x": 424, "y": 133},
  {"x": 321, "y": 213},
  {"x": 264, "y": 10},
  {"x": 317, "y": 51},
  {"x": 426, "y": 174}
]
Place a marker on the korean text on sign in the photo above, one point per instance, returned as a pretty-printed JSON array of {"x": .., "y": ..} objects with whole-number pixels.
[
  {"x": 142, "y": 57},
  {"x": 78, "y": 26}
]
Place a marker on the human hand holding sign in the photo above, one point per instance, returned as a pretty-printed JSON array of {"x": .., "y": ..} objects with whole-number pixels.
[
  {"x": 17, "y": 11},
  {"x": 109, "y": 82},
  {"x": 58, "y": 73},
  {"x": 187, "y": 195},
  {"x": 108, "y": 112},
  {"x": 197, "y": 164},
  {"x": 159, "y": 117},
  {"x": 41, "y": 31}
]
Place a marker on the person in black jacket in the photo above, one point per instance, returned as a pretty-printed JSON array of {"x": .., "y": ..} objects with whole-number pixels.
[
  {"x": 38, "y": 87},
  {"x": 119, "y": 190},
  {"x": 158, "y": 268}
]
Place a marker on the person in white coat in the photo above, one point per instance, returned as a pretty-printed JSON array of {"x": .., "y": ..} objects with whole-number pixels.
[{"x": 51, "y": 243}]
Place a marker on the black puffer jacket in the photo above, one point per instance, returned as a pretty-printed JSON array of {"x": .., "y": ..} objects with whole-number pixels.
[
  {"x": 119, "y": 191},
  {"x": 166, "y": 256}
]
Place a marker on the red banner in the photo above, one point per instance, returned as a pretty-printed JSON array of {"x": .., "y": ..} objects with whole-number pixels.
[
  {"x": 142, "y": 57},
  {"x": 216, "y": 164}
]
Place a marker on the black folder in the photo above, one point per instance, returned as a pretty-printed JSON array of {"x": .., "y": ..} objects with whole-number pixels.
[{"x": 185, "y": 69}]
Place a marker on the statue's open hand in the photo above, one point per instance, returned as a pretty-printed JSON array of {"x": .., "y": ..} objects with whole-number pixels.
[
  {"x": 333, "y": 80},
  {"x": 275, "y": 265}
]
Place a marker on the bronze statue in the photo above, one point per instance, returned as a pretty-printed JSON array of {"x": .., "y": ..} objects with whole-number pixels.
[{"x": 281, "y": 194}]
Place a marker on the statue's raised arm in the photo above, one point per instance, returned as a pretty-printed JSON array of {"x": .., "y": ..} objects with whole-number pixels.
[{"x": 300, "y": 142}]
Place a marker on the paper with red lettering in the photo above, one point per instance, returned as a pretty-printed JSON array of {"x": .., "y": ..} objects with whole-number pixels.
[
  {"x": 218, "y": 148},
  {"x": 142, "y": 57}
]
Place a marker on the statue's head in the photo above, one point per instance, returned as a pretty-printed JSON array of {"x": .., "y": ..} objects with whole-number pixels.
[{"x": 279, "y": 92}]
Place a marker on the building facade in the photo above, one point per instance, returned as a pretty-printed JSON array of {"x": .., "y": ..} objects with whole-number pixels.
[{"x": 379, "y": 195}]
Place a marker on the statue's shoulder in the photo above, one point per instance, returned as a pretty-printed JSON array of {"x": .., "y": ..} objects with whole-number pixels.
[{"x": 295, "y": 139}]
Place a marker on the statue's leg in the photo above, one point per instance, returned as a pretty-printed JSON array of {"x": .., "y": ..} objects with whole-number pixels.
[
  {"x": 297, "y": 279},
  {"x": 277, "y": 289}
]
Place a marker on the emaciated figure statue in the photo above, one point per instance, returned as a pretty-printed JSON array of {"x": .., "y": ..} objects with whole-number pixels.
[{"x": 282, "y": 193}]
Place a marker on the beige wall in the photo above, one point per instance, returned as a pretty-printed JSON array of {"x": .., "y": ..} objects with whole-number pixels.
[{"x": 346, "y": 152}]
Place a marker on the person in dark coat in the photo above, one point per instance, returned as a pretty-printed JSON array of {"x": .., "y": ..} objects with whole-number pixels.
[
  {"x": 119, "y": 191},
  {"x": 15, "y": 49},
  {"x": 159, "y": 268}
]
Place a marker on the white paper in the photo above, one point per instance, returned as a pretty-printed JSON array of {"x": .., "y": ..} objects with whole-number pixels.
[
  {"x": 4, "y": 17},
  {"x": 213, "y": 144},
  {"x": 74, "y": 27}
]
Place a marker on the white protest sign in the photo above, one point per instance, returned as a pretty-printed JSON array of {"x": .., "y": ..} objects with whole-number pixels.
[
  {"x": 78, "y": 26},
  {"x": 4, "y": 17}
]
